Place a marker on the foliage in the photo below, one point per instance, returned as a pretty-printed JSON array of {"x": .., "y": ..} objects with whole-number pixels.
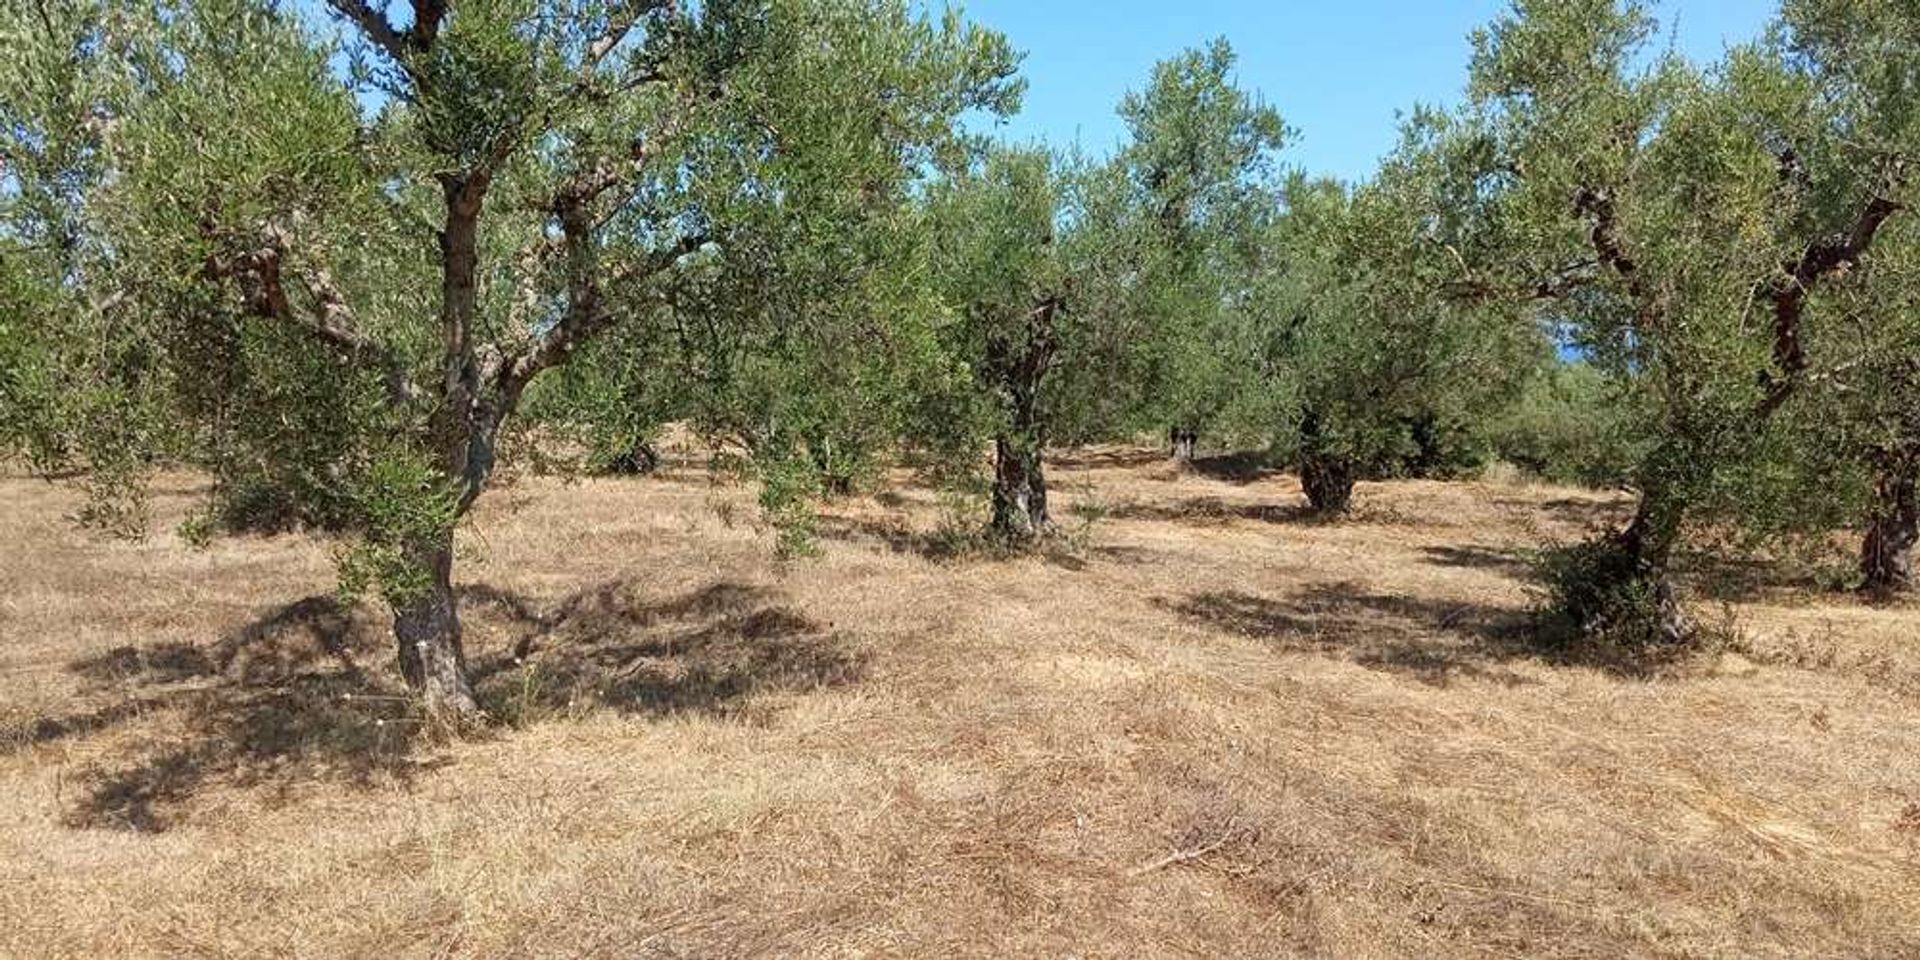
[
  {"x": 1388, "y": 369},
  {"x": 1683, "y": 223},
  {"x": 1571, "y": 424},
  {"x": 1166, "y": 240},
  {"x": 994, "y": 229},
  {"x": 344, "y": 250}
]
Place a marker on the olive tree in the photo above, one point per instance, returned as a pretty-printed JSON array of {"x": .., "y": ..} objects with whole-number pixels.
[
  {"x": 1178, "y": 217},
  {"x": 994, "y": 229},
  {"x": 1373, "y": 334},
  {"x": 76, "y": 381},
  {"x": 395, "y": 232},
  {"x": 1686, "y": 220}
]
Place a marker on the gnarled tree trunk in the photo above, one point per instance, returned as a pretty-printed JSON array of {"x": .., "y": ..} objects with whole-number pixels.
[
  {"x": 1019, "y": 363},
  {"x": 1627, "y": 580},
  {"x": 1328, "y": 481},
  {"x": 427, "y": 629},
  {"x": 1886, "y": 556},
  {"x": 1326, "y": 477},
  {"x": 638, "y": 460},
  {"x": 1019, "y": 491},
  {"x": 1181, "y": 442}
]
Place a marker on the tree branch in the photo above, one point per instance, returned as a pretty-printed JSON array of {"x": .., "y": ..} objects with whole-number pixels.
[
  {"x": 261, "y": 273},
  {"x": 587, "y": 317},
  {"x": 375, "y": 25},
  {"x": 1789, "y": 291},
  {"x": 427, "y": 17}
]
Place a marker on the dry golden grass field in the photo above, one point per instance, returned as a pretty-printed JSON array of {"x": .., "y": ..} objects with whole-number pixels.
[{"x": 1208, "y": 727}]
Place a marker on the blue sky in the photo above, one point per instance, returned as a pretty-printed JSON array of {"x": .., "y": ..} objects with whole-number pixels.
[{"x": 1336, "y": 71}]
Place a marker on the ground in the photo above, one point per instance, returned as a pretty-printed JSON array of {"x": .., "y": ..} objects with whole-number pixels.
[{"x": 1203, "y": 726}]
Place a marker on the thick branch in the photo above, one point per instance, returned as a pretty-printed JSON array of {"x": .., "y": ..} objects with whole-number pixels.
[
  {"x": 261, "y": 273},
  {"x": 1789, "y": 291},
  {"x": 1603, "y": 234},
  {"x": 427, "y": 17},
  {"x": 1557, "y": 285},
  {"x": 587, "y": 317},
  {"x": 375, "y": 25},
  {"x": 619, "y": 24}
]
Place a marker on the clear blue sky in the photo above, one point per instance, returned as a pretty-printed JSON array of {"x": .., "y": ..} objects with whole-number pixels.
[{"x": 1337, "y": 71}]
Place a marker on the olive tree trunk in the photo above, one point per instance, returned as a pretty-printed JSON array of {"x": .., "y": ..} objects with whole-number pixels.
[
  {"x": 639, "y": 459},
  {"x": 1623, "y": 586},
  {"x": 426, "y": 625},
  {"x": 1019, "y": 361},
  {"x": 1328, "y": 481},
  {"x": 1326, "y": 476},
  {"x": 1181, "y": 442},
  {"x": 1019, "y": 491},
  {"x": 1886, "y": 556}
]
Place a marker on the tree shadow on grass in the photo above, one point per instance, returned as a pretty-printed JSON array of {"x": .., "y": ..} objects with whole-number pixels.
[
  {"x": 707, "y": 652},
  {"x": 1213, "y": 511},
  {"x": 1129, "y": 458},
  {"x": 1586, "y": 514},
  {"x": 1432, "y": 641},
  {"x": 285, "y": 700},
  {"x": 1514, "y": 563},
  {"x": 280, "y": 701},
  {"x": 894, "y": 535},
  {"x": 1726, "y": 576},
  {"x": 1245, "y": 467}
]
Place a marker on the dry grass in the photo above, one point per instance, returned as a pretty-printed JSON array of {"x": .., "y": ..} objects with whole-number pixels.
[{"x": 1213, "y": 729}]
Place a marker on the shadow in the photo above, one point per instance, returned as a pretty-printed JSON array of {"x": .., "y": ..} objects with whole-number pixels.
[
  {"x": 894, "y": 535},
  {"x": 1129, "y": 458},
  {"x": 707, "y": 652},
  {"x": 1128, "y": 555},
  {"x": 1241, "y": 468},
  {"x": 284, "y": 700},
  {"x": 1213, "y": 511},
  {"x": 280, "y": 701},
  {"x": 1432, "y": 641},
  {"x": 1587, "y": 514},
  {"x": 1723, "y": 577},
  {"x": 1510, "y": 562}
]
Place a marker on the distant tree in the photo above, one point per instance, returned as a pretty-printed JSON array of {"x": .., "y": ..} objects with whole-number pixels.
[
  {"x": 76, "y": 382},
  {"x": 394, "y": 257},
  {"x": 1685, "y": 224},
  {"x": 1179, "y": 219},
  {"x": 1846, "y": 449},
  {"x": 1571, "y": 423},
  {"x": 994, "y": 228},
  {"x": 1381, "y": 352}
]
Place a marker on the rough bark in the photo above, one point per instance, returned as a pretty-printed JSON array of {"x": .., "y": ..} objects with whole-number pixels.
[
  {"x": 1019, "y": 362},
  {"x": 1893, "y": 528},
  {"x": 1633, "y": 566},
  {"x": 1182, "y": 442},
  {"x": 640, "y": 459},
  {"x": 426, "y": 627},
  {"x": 1326, "y": 477},
  {"x": 1019, "y": 492},
  {"x": 1328, "y": 481}
]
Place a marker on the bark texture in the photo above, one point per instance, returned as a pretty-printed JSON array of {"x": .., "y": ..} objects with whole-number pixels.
[
  {"x": 1886, "y": 556},
  {"x": 1328, "y": 481},
  {"x": 639, "y": 460},
  {"x": 1018, "y": 361},
  {"x": 427, "y": 629},
  {"x": 1019, "y": 492},
  {"x": 1182, "y": 442},
  {"x": 1327, "y": 477},
  {"x": 1625, "y": 587}
]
